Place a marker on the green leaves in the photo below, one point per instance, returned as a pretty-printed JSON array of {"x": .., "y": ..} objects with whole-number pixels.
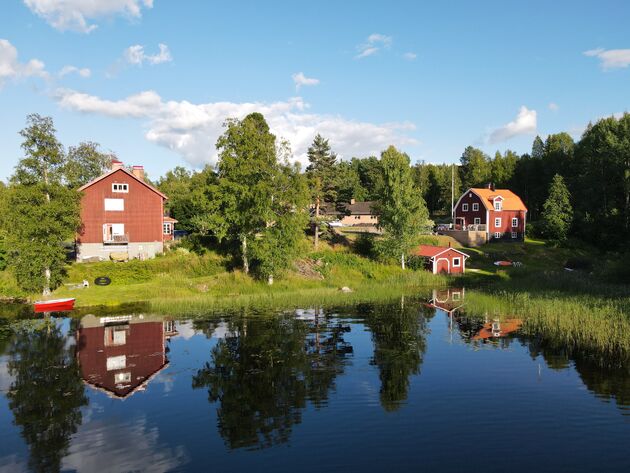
[{"x": 557, "y": 210}]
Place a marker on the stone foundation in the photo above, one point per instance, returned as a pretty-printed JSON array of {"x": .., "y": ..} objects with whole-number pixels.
[{"x": 101, "y": 252}]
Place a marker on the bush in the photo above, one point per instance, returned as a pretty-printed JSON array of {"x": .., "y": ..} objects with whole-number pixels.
[
  {"x": 364, "y": 245},
  {"x": 618, "y": 271},
  {"x": 416, "y": 262},
  {"x": 581, "y": 263}
]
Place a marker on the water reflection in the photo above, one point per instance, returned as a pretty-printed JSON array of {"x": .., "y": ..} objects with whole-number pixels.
[
  {"x": 46, "y": 394},
  {"x": 265, "y": 371},
  {"x": 121, "y": 354}
]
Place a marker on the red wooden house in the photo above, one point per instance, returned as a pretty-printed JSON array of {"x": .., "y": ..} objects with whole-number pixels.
[
  {"x": 500, "y": 213},
  {"x": 122, "y": 213},
  {"x": 443, "y": 259}
]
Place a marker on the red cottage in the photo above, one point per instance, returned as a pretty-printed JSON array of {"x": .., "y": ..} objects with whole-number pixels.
[
  {"x": 121, "y": 213},
  {"x": 443, "y": 259},
  {"x": 500, "y": 213}
]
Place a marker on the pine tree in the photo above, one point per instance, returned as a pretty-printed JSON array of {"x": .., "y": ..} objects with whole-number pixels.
[
  {"x": 538, "y": 148},
  {"x": 557, "y": 210},
  {"x": 403, "y": 214},
  {"x": 321, "y": 174}
]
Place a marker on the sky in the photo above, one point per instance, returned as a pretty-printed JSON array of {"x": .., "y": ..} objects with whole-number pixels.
[{"x": 154, "y": 80}]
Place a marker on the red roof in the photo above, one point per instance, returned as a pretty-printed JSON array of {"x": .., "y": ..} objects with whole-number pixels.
[
  {"x": 430, "y": 251},
  {"x": 169, "y": 219},
  {"x": 85, "y": 186}
]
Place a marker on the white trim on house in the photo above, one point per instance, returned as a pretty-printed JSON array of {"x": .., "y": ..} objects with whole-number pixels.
[
  {"x": 514, "y": 235},
  {"x": 477, "y": 221},
  {"x": 475, "y": 206},
  {"x": 514, "y": 219},
  {"x": 497, "y": 222},
  {"x": 457, "y": 260},
  {"x": 465, "y": 207},
  {"x": 120, "y": 187},
  {"x": 448, "y": 263}
]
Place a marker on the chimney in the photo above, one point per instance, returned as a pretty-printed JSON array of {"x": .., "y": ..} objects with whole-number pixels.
[
  {"x": 352, "y": 201},
  {"x": 489, "y": 185},
  {"x": 138, "y": 171},
  {"x": 116, "y": 164},
  {"x": 492, "y": 187},
  {"x": 449, "y": 244}
]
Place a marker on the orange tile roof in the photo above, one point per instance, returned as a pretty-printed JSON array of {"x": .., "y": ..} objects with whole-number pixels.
[{"x": 510, "y": 200}]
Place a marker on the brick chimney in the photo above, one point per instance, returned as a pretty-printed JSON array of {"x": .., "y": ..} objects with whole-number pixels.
[
  {"x": 138, "y": 171},
  {"x": 116, "y": 164}
]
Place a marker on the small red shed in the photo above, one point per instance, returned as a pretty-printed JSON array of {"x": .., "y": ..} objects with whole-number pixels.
[{"x": 443, "y": 259}]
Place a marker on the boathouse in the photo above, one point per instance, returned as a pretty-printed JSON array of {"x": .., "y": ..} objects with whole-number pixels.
[{"x": 443, "y": 259}]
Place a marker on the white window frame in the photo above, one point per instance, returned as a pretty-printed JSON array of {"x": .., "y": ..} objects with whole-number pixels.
[
  {"x": 477, "y": 221},
  {"x": 167, "y": 228},
  {"x": 497, "y": 235},
  {"x": 498, "y": 204},
  {"x": 475, "y": 206},
  {"x": 497, "y": 222},
  {"x": 456, "y": 296},
  {"x": 514, "y": 222},
  {"x": 457, "y": 262},
  {"x": 120, "y": 187},
  {"x": 116, "y": 362},
  {"x": 464, "y": 207},
  {"x": 514, "y": 235},
  {"x": 114, "y": 205},
  {"x": 121, "y": 378}
]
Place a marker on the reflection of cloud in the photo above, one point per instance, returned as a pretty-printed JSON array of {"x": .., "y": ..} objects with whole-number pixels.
[
  {"x": 221, "y": 330},
  {"x": 13, "y": 464},
  {"x": 185, "y": 330},
  {"x": 122, "y": 447},
  {"x": 5, "y": 378}
]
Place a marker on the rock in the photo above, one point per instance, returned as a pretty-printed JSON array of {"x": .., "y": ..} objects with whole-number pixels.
[
  {"x": 345, "y": 289},
  {"x": 119, "y": 256}
]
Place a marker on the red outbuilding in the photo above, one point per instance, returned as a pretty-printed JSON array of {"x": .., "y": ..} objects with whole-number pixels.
[
  {"x": 443, "y": 259},
  {"x": 122, "y": 213},
  {"x": 500, "y": 213}
]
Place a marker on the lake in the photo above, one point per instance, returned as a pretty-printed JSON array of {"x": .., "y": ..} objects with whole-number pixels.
[{"x": 415, "y": 384}]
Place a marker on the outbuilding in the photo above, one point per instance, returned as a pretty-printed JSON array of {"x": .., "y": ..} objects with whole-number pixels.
[{"x": 443, "y": 259}]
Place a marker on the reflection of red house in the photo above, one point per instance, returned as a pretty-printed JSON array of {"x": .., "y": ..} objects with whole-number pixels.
[
  {"x": 443, "y": 259},
  {"x": 448, "y": 300},
  {"x": 497, "y": 329},
  {"x": 120, "y": 354}
]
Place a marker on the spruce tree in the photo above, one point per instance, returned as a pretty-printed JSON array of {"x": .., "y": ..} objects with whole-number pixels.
[
  {"x": 557, "y": 210},
  {"x": 321, "y": 175}
]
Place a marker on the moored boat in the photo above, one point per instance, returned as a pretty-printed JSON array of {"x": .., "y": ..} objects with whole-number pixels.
[{"x": 55, "y": 305}]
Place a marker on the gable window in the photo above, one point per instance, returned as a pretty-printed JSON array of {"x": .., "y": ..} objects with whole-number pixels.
[
  {"x": 116, "y": 362},
  {"x": 456, "y": 296},
  {"x": 515, "y": 222},
  {"x": 115, "y": 205},
  {"x": 122, "y": 378},
  {"x": 477, "y": 221},
  {"x": 457, "y": 262},
  {"x": 166, "y": 228},
  {"x": 475, "y": 206},
  {"x": 498, "y": 205},
  {"x": 118, "y": 187},
  {"x": 497, "y": 222},
  {"x": 514, "y": 235},
  {"x": 465, "y": 207}
]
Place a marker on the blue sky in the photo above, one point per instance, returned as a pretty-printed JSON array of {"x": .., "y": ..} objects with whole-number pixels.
[{"x": 429, "y": 77}]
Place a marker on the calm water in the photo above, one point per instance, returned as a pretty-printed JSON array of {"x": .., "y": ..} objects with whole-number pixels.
[{"x": 367, "y": 388}]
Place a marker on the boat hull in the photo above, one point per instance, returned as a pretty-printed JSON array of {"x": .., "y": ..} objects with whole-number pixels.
[{"x": 57, "y": 305}]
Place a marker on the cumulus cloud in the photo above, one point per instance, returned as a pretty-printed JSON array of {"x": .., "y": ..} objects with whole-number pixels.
[
  {"x": 192, "y": 129},
  {"x": 76, "y": 15},
  {"x": 375, "y": 42},
  {"x": 12, "y": 69},
  {"x": 410, "y": 56},
  {"x": 610, "y": 58},
  {"x": 135, "y": 55},
  {"x": 554, "y": 107},
  {"x": 83, "y": 72},
  {"x": 300, "y": 79},
  {"x": 523, "y": 124}
]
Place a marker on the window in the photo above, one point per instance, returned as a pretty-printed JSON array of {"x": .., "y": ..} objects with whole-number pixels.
[
  {"x": 497, "y": 222},
  {"x": 470, "y": 194},
  {"x": 515, "y": 222},
  {"x": 166, "y": 227},
  {"x": 457, "y": 262},
  {"x": 118, "y": 187},
  {"x": 465, "y": 207},
  {"x": 116, "y": 362},
  {"x": 497, "y": 235},
  {"x": 475, "y": 206},
  {"x": 115, "y": 336},
  {"x": 498, "y": 205},
  {"x": 456, "y": 296},
  {"x": 115, "y": 205},
  {"x": 514, "y": 234},
  {"x": 477, "y": 221},
  {"x": 120, "y": 378}
]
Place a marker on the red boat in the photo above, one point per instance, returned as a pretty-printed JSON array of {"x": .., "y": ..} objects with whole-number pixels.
[{"x": 55, "y": 305}]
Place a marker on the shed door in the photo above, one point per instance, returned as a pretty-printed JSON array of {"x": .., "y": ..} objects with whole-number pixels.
[{"x": 443, "y": 265}]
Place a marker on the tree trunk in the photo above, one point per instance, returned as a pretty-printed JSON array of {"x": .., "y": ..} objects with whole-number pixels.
[
  {"x": 402, "y": 261},
  {"x": 270, "y": 279},
  {"x": 245, "y": 260},
  {"x": 316, "y": 222},
  {"x": 46, "y": 291}
]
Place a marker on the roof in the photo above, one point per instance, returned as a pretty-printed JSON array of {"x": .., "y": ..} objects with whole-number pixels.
[
  {"x": 169, "y": 219},
  {"x": 107, "y": 174},
  {"x": 430, "y": 251},
  {"x": 510, "y": 200},
  {"x": 358, "y": 208}
]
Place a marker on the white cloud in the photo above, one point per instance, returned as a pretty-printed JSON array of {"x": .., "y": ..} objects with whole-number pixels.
[
  {"x": 375, "y": 42},
  {"x": 523, "y": 124},
  {"x": 83, "y": 72},
  {"x": 12, "y": 69},
  {"x": 75, "y": 15},
  {"x": 300, "y": 79},
  {"x": 554, "y": 107},
  {"x": 410, "y": 56},
  {"x": 610, "y": 58},
  {"x": 192, "y": 129},
  {"x": 135, "y": 55}
]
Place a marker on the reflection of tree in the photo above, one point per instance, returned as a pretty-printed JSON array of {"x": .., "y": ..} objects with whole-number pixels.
[
  {"x": 46, "y": 394},
  {"x": 264, "y": 372},
  {"x": 398, "y": 333},
  {"x": 556, "y": 355}
]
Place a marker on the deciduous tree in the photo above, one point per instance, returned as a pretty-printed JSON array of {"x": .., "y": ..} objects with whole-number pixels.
[{"x": 557, "y": 210}]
